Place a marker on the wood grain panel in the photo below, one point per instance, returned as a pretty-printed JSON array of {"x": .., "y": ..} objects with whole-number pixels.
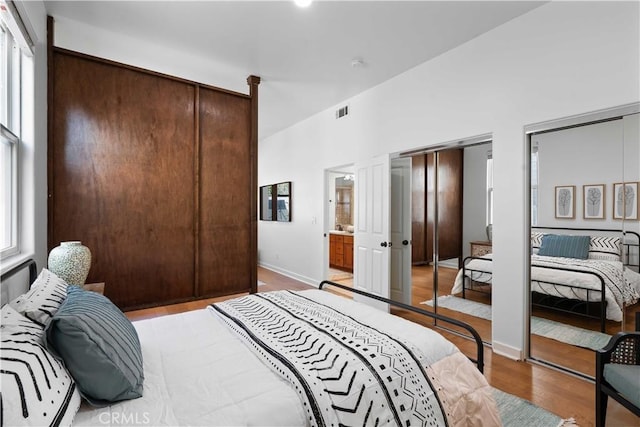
[
  {"x": 226, "y": 194},
  {"x": 430, "y": 165},
  {"x": 123, "y": 177},
  {"x": 418, "y": 209},
  {"x": 450, "y": 203}
]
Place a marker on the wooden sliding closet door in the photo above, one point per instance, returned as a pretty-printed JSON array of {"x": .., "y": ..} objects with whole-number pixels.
[
  {"x": 226, "y": 193},
  {"x": 449, "y": 191},
  {"x": 418, "y": 209},
  {"x": 122, "y": 177},
  {"x": 450, "y": 178}
]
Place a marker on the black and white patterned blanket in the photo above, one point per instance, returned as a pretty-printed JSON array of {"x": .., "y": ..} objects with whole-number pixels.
[
  {"x": 612, "y": 274},
  {"x": 346, "y": 373},
  {"x": 554, "y": 275}
]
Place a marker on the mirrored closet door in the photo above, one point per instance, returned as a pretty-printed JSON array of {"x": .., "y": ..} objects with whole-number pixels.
[
  {"x": 451, "y": 228},
  {"x": 629, "y": 209},
  {"x": 580, "y": 248}
]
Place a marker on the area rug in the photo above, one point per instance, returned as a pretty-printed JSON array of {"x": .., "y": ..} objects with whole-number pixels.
[
  {"x": 517, "y": 412},
  {"x": 542, "y": 327}
]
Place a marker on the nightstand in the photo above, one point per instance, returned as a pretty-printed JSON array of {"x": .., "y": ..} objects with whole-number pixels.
[
  {"x": 480, "y": 248},
  {"x": 94, "y": 287}
]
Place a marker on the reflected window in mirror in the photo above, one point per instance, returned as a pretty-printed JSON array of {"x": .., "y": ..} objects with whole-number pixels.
[
  {"x": 283, "y": 210},
  {"x": 275, "y": 202},
  {"x": 344, "y": 202},
  {"x": 534, "y": 184},
  {"x": 489, "y": 189},
  {"x": 265, "y": 203}
]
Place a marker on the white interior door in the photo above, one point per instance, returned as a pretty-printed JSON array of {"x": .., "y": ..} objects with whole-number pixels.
[
  {"x": 371, "y": 240},
  {"x": 401, "y": 230}
]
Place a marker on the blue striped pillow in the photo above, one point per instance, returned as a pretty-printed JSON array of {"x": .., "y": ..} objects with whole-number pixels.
[
  {"x": 565, "y": 246},
  {"x": 99, "y": 346}
]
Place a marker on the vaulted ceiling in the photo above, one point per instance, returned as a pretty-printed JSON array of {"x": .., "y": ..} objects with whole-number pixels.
[{"x": 310, "y": 58}]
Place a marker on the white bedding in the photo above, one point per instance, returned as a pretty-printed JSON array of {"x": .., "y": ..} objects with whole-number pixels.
[
  {"x": 197, "y": 373},
  {"x": 628, "y": 281}
]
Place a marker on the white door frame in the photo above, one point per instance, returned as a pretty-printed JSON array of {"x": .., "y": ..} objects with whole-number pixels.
[{"x": 329, "y": 203}]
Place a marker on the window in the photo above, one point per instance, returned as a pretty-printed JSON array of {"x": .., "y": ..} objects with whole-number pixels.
[
  {"x": 489, "y": 188},
  {"x": 14, "y": 45},
  {"x": 534, "y": 185}
]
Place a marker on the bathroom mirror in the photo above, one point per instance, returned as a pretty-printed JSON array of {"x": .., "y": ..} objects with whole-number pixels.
[
  {"x": 344, "y": 203},
  {"x": 275, "y": 202}
]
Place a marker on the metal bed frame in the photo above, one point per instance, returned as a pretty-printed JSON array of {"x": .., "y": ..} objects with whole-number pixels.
[
  {"x": 30, "y": 264},
  {"x": 479, "y": 360},
  {"x": 590, "y": 308}
]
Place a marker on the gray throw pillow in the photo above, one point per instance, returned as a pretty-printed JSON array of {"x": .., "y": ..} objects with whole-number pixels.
[{"x": 99, "y": 346}]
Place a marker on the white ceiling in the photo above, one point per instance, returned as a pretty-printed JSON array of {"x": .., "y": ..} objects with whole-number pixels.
[{"x": 304, "y": 56}]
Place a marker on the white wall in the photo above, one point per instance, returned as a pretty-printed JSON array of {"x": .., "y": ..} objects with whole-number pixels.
[
  {"x": 95, "y": 41},
  {"x": 579, "y": 156},
  {"x": 561, "y": 59},
  {"x": 474, "y": 203}
]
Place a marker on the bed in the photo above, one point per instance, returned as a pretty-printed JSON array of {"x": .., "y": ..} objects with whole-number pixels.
[
  {"x": 277, "y": 358},
  {"x": 598, "y": 283}
]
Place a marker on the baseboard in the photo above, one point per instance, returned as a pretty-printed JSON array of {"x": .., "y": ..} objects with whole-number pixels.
[
  {"x": 507, "y": 351},
  {"x": 303, "y": 279},
  {"x": 449, "y": 263}
]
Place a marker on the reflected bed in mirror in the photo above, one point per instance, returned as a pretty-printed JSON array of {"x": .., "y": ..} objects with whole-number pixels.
[
  {"x": 275, "y": 202},
  {"x": 573, "y": 282},
  {"x": 609, "y": 152}
]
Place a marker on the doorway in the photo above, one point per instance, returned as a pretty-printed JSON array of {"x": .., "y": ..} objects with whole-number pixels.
[{"x": 339, "y": 220}]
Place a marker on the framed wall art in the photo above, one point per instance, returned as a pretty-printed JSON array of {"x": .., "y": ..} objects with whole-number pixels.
[
  {"x": 565, "y": 201},
  {"x": 625, "y": 200},
  {"x": 593, "y": 199}
]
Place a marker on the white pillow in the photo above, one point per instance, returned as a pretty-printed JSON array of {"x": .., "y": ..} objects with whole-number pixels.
[
  {"x": 37, "y": 389},
  {"x": 43, "y": 299},
  {"x": 605, "y": 248},
  {"x": 536, "y": 239}
]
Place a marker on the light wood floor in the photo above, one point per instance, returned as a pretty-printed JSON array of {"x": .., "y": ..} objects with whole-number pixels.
[
  {"x": 575, "y": 358},
  {"x": 558, "y": 392}
]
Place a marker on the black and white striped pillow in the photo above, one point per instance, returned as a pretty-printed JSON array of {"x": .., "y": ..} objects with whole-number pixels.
[
  {"x": 37, "y": 390},
  {"x": 536, "y": 240},
  {"x": 605, "y": 248},
  {"x": 43, "y": 299}
]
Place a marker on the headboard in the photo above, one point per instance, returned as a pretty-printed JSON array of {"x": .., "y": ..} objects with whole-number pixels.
[
  {"x": 630, "y": 255},
  {"x": 17, "y": 280}
]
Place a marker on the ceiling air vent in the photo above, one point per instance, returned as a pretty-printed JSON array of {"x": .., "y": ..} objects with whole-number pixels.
[{"x": 341, "y": 112}]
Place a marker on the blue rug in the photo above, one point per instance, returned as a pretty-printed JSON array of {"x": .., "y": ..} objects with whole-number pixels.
[
  {"x": 542, "y": 327},
  {"x": 517, "y": 412}
]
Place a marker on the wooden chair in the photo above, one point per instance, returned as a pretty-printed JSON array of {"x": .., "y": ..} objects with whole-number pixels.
[{"x": 618, "y": 373}]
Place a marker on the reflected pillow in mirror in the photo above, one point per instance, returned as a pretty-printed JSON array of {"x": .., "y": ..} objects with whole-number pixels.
[
  {"x": 565, "y": 246},
  {"x": 605, "y": 248}
]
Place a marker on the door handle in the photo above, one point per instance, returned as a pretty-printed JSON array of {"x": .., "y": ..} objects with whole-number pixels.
[
  {"x": 405, "y": 242},
  {"x": 383, "y": 244}
]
